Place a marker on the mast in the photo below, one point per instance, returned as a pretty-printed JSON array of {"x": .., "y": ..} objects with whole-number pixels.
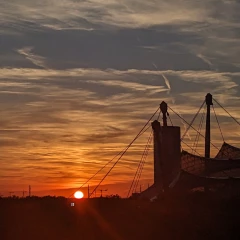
[
  {"x": 167, "y": 158},
  {"x": 207, "y": 136},
  {"x": 29, "y": 191},
  {"x": 163, "y": 108},
  {"x": 208, "y": 130}
]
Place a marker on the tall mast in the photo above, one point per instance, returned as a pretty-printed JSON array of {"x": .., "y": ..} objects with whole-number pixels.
[
  {"x": 208, "y": 130},
  {"x": 208, "y": 100}
]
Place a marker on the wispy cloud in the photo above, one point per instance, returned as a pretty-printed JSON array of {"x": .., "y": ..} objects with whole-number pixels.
[
  {"x": 35, "y": 59},
  {"x": 124, "y": 13},
  {"x": 167, "y": 82},
  {"x": 205, "y": 60},
  {"x": 78, "y": 14},
  {"x": 64, "y": 117}
]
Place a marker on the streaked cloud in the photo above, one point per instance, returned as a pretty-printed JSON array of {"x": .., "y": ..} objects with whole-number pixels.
[{"x": 36, "y": 60}]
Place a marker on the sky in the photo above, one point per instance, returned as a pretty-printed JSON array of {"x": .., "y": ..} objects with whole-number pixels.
[{"x": 79, "y": 79}]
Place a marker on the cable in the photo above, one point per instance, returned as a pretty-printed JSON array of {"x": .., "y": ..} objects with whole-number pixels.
[
  {"x": 96, "y": 173},
  {"x": 140, "y": 162},
  {"x": 142, "y": 131},
  {"x": 218, "y": 123},
  {"x": 112, "y": 167},
  {"x": 106, "y": 164},
  {"x": 226, "y": 111},
  {"x": 199, "y": 130},
  {"x": 170, "y": 119},
  {"x": 124, "y": 152},
  {"x": 159, "y": 115},
  {"x": 191, "y": 148},
  {"x": 192, "y": 127},
  {"x": 192, "y": 120},
  {"x": 139, "y": 170}
]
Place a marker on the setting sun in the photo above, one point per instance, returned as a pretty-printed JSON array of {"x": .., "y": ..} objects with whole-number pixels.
[{"x": 78, "y": 194}]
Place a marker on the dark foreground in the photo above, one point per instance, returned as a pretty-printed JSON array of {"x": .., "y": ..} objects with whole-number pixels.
[{"x": 192, "y": 217}]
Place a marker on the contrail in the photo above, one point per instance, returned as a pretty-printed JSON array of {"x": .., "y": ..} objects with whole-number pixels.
[
  {"x": 206, "y": 60},
  {"x": 167, "y": 82},
  {"x": 165, "y": 78},
  {"x": 154, "y": 65},
  {"x": 35, "y": 59}
]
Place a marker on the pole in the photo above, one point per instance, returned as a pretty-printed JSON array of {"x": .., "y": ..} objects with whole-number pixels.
[
  {"x": 88, "y": 191},
  {"x": 208, "y": 100},
  {"x": 24, "y": 193},
  {"x": 101, "y": 190},
  {"x": 208, "y": 130},
  {"x": 164, "y": 108},
  {"x": 29, "y": 191}
]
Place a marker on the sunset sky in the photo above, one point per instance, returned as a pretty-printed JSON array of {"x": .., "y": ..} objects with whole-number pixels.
[{"x": 79, "y": 78}]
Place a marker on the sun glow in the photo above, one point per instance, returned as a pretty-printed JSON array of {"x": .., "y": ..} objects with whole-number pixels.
[{"x": 78, "y": 194}]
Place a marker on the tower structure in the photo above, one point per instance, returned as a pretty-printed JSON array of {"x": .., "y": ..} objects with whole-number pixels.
[{"x": 167, "y": 158}]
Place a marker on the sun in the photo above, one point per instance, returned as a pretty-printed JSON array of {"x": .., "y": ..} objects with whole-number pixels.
[{"x": 78, "y": 194}]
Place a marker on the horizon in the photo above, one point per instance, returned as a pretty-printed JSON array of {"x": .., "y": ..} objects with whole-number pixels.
[{"x": 79, "y": 79}]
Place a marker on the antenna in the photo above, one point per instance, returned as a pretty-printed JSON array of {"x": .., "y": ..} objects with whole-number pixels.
[
  {"x": 102, "y": 190},
  {"x": 23, "y": 193},
  {"x": 29, "y": 191}
]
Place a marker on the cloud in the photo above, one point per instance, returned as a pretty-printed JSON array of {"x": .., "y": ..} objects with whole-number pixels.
[
  {"x": 68, "y": 13},
  {"x": 167, "y": 82},
  {"x": 36, "y": 60},
  {"x": 184, "y": 46},
  {"x": 131, "y": 85},
  {"x": 205, "y": 60},
  {"x": 76, "y": 120},
  {"x": 124, "y": 13}
]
